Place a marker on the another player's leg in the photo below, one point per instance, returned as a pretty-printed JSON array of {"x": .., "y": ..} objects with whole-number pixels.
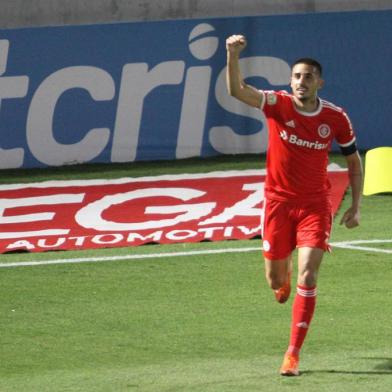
[{"x": 309, "y": 260}]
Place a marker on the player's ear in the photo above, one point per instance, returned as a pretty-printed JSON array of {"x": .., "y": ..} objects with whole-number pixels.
[{"x": 321, "y": 83}]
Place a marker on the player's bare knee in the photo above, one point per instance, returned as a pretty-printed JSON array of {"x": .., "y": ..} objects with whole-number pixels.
[{"x": 307, "y": 278}]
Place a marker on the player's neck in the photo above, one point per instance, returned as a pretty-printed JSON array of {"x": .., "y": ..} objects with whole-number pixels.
[{"x": 307, "y": 105}]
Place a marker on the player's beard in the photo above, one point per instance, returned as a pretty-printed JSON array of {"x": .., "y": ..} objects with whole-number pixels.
[
  {"x": 311, "y": 103},
  {"x": 307, "y": 99}
]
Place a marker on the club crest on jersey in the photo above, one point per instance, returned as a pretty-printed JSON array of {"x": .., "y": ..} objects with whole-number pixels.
[
  {"x": 324, "y": 130},
  {"x": 271, "y": 99}
]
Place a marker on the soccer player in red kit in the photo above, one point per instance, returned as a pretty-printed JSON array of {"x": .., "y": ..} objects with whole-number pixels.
[{"x": 297, "y": 207}]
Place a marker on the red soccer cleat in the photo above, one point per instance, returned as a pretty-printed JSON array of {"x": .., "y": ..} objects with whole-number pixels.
[
  {"x": 283, "y": 294},
  {"x": 290, "y": 365}
]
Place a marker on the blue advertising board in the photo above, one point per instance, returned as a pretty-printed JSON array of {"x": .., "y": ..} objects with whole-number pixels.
[{"x": 156, "y": 90}]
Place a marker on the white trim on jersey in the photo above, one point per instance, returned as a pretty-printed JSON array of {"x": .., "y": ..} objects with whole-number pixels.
[
  {"x": 330, "y": 105},
  {"x": 309, "y": 114}
]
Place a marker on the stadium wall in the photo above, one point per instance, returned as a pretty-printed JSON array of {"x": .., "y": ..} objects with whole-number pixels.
[
  {"x": 156, "y": 90},
  {"x": 22, "y": 13}
]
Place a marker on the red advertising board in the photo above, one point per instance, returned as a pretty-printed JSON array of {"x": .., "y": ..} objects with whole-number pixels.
[{"x": 61, "y": 215}]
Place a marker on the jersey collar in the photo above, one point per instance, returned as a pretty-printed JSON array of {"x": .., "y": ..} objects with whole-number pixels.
[{"x": 309, "y": 114}]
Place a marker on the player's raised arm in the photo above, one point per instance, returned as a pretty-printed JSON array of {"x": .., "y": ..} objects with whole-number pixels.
[{"x": 235, "y": 84}]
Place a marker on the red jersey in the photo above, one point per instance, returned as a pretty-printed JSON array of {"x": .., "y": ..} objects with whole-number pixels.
[{"x": 298, "y": 146}]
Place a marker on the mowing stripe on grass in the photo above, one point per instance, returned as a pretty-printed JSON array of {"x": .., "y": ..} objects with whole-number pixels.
[{"x": 346, "y": 245}]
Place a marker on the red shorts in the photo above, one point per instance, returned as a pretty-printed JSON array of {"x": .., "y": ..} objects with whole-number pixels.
[{"x": 288, "y": 225}]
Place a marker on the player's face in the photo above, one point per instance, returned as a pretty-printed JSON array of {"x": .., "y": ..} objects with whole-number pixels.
[{"x": 305, "y": 82}]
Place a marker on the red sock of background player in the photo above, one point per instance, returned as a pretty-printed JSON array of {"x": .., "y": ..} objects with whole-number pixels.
[{"x": 303, "y": 309}]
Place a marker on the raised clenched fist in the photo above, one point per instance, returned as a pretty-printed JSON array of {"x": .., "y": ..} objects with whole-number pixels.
[{"x": 235, "y": 43}]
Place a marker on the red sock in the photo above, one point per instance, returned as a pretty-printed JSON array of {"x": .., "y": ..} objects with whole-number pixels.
[{"x": 303, "y": 309}]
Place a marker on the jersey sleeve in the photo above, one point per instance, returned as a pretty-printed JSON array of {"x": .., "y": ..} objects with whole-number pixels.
[
  {"x": 345, "y": 135},
  {"x": 272, "y": 102}
]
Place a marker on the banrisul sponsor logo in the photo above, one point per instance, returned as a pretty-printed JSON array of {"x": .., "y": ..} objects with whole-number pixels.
[{"x": 294, "y": 139}]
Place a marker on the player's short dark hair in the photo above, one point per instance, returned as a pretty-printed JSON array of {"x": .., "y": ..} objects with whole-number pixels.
[{"x": 309, "y": 61}]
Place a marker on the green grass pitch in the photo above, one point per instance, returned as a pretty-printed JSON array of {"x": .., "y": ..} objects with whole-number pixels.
[{"x": 195, "y": 323}]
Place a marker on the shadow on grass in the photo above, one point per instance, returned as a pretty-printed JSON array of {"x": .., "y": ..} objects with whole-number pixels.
[
  {"x": 381, "y": 369},
  {"x": 353, "y": 372}
]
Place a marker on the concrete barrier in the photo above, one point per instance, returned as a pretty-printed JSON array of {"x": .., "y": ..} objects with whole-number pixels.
[{"x": 22, "y": 13}]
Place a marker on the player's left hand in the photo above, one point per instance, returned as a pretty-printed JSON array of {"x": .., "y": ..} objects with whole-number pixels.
[{"x": 350, "y": 218}]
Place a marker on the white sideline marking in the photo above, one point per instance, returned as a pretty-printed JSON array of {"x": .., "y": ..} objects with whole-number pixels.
[
  {"x": 127, "y": 257},
  {"x": 355, "y": 245},
  {"x": 345, "y": 244}
]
